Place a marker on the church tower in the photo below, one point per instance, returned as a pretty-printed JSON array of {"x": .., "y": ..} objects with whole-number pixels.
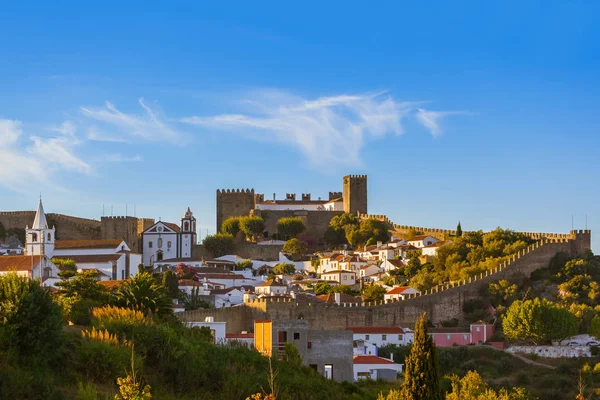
[
  {"x": 187, "y": 235},
  {"x": 39, "y": 239}
]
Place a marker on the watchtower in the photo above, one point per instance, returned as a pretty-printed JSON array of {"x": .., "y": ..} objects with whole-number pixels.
[
  {"x": 355, "y": 194},
  {"x": 233, "y": 203}
]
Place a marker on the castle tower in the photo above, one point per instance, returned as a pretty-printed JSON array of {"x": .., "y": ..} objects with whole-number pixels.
[
  {"x": 355, "y": 194},
  {"x": 187, "y": 238},
  {"x": 233, "y": 203},
  {"x": 39, "y": 240}
]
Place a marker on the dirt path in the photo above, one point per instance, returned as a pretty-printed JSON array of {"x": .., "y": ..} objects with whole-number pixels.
[{"x": 525, "y": 359}]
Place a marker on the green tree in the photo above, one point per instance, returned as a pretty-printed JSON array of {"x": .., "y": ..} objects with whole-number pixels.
[
  {"x": 284, "y": 269},
  {"x": 141, "y": 292},
  {"x": 171, "y": 283},
  {"x": 373, "y": 293},
  {"x": 322, "y": 288},
  {"x": 341, "y": 289},
  {"x": 458, "y": 230},
  {"x": 595, "y": 327},
  {"x": 79, "y": 293},
  {"x": 338, "y": 227},
  {"x": 290, "y": 227},
  {"x": 296, "y": 248},
  {"x": 252, "y": 226},
  {"x": 194, "y": 300},
  {"x": 30, "y": 321},
  {"x": 502, "y": 293},
  {"x": 242, "y": 265},
  {"x": 473, "y": 387},
  {"x": 231, "y": 226},
  {"x": 539, "y": 321},
  {"x": 421, "y": 375},
  {"x": 219, "y": 244},
  {"x": 292, "y": 355}
]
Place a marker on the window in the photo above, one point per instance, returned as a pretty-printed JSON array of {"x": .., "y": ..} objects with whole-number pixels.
[
  {"x": 400, "y": 338},
  {"x": 114, "y": 271},
  {"x": 383, "y": 337},
  {"x": 186, "y": 226},
  {"x": 366, "y": 337},
  {"x": 328, "y": 371},
  {"x": 448, "y": 337},
  {"x": 309, "y": 345},
  {"x": 34, "y": 237},
  {"x": 296, "y": 336},
  {"x": 345, "y": 277},
  {"x": 149, "y": 245},
  {"x": 49, "y": 237},
  {"x": 465, "y": 337},
  {"x": 477, "y": 328},
  {"x": 159, "y": 255},
  {"x": 122, "y": 274},
  {"x": 168, "y": 244},
  {"x": 160, "y": 243}
]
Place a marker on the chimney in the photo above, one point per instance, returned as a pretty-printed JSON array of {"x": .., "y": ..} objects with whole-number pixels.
[
  {"x": 379, "y": 244},
  {"x": 273, "y": 196},
  {"x": 209, "y": 319},
  {"x": 338, "y": 299},
  {"x": 392, "y": 356}
]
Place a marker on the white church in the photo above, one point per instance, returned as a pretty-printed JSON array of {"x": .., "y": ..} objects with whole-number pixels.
[{"x": 167, "y": 241}]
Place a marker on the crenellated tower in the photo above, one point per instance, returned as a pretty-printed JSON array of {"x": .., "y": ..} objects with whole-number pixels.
[
  {"x": 355, "y": 194},
  {"x": 233, "y": 203}
]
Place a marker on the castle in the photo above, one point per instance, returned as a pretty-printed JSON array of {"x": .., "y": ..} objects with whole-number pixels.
[{"x": 315, "y": 213}]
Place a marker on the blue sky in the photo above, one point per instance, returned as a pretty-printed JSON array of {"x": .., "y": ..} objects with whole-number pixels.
[{"x": 474, "y": 111}]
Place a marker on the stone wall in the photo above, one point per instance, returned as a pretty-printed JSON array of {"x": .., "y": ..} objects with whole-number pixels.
[
  {"x": 67, "y": 227},
  {"x": 316, "y": 222},
  {"x": 553, "y": 351},
  {"x": 355, "y": 193},
  {"x": 125, "y": 228},
  {"x": 244, "y": 250},
  {"x": 440, "y": 303},
  {"x": 233, "y": 203}
]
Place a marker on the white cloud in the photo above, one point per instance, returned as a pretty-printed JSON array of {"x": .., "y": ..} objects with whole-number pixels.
[
  {"x": 94, "y": 134},
  {"x": 148, "y": 126},
  {"x": 67, "y": 128},
  {"x": 431, "y": 119},
  {"x": 34, "y": 164},
  {"x": 328, "y": 130},
  {"x": 119, "y": 158}
]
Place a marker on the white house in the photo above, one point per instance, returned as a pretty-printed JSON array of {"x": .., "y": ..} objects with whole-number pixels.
[
  {"x": 270, "y": 288},
  {"x": 395, "y": 242},
  {"x": 217, "y": 329},
  {"x": 340, "y": 276},
  {"x": 242, "y": 339},
  {"x": 187, "y": 285},
  {"x": 167, "y": 241},
  {"x": 369, "y": 270},
  {"x": 378, "y": 335},
  {"x": 375, "y": 368},
  {"x": 228, "y": 297},
  {"x": 385, "y": 252},
  {"x": 226, "y": 279},
  {"x": 30, "y": 266},
  {"x": 421, "y": 241},
  {"x": 399, "y": 293},
  {"x": 431, "y": 250},
  {"x": 390, "y": 265}
]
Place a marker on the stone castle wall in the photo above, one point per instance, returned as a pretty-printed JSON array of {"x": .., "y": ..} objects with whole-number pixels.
[
  {"x": 67, "y": 227},
  {"x": 244, "y": 250},
  {"x": 355, "y": 193},
  {"x": 233, "y": 203},
  {"x": 316, "y": 221},
  {"x": 127, "y": 228},
  {"x": 440, "y": 303}
]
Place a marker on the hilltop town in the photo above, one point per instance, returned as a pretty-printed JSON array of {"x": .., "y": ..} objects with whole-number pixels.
[{"x": 343, "y": 286}]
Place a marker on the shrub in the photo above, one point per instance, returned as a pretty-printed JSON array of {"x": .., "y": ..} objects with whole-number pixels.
[
  {"x": 141, "y": 292},
  {"x": 101, "y": 361},
  {"x": 252, "y": 226},
  {"x": 119, "y": 320},
  {"x": 218, "y": 245},
  {"x": 290, "y": 227},
  {"x": 231, "y": 226}
]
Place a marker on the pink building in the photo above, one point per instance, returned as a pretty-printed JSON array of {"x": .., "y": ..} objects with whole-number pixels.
[{"x": 478, "y": 332}]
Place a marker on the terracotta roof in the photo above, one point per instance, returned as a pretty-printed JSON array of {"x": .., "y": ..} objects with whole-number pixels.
[
  {"x": 371, "y": 360},
  {"x": 376, "y": 329},
  {"x": 368, "y": 266},
  {"x": 271, "y": 282},
  {"x": 398, "y": 290},
  {"x": 223, "y": 291},
  {"x": 111, "y": 284},
  {"x": 419, "y": 238},
  {"x": 438, "y": 244},
  {"x": 407, "y": 247},
  {"x": 97, "y": 271},
  {"x": 396, "y": 263},
  {"x": 344, "y": 298},
  {"x": 219, "y": 276},
  {"x": 17, "y": 263},
  {"x": 335, "y": 271},
  {"x": 91, "y": 259},
  {"x": 87, "y": 244},
  {"x": 189, "y": 282},
  {"x": 173, "y": 226},
  {"x": 239, "y": 335}
]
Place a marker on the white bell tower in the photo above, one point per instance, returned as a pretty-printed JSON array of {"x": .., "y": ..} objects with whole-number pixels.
[
  {"x": 39, "y": 239},
  {"x": 187, "y": 238}
]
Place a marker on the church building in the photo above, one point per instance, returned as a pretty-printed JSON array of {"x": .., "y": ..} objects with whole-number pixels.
[{"x": 167, "y": 241}]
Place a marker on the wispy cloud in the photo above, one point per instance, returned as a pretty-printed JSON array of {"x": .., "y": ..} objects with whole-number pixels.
[
  {"x": 431, "y": 119},
  {"x": 67, "y": 128},
  {"x": 35, "y": 163},
  {"x": 149, "y": 125},
  {"x": 119, "y": 158},
  {"x": 328, "y": 130},
  {"x": 96, "y": 135}
]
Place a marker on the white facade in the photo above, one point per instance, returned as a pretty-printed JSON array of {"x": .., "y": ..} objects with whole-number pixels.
[
  {"x": 217, "y": 329},
  {"x": 400, "y": 293},
  {"x": 39, "y": 239},
  {"x": 340, "y": 276},
  {"x": 379, "y": 336},
  {"x": 432, "y": 249},
  {"x": 270, "y": 288},
  {"x": 166, "y": 241},
  {"x": 228, "y": 297},
  {"x": 375, "y": 368},
  {"x": 369, "y": 270},
  {"x": 422, "y": 241}
]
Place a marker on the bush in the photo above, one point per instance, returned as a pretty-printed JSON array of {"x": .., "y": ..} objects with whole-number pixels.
[
  {"x": 252, "y": 226},
  {"x": 290, "y": 227},
  {"x": 218, "y": 245},
  {"x": 231, "y": 226},
  {"x": 101, "y": 361}
]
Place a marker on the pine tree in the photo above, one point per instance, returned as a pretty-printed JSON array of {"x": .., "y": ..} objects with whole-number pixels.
[
  {"x": 458, "y": 230},
  {"x": 421, "y": 377}
]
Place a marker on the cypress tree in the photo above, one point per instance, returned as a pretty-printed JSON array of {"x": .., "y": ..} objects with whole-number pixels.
[
  {"x": 458, "y": 230},
  {"x": 421, "y": 377}
]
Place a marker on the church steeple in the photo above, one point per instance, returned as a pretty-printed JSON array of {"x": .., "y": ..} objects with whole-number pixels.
[
  {"x": 40, "y": 217},
  {"x": 39, "y": 239}
]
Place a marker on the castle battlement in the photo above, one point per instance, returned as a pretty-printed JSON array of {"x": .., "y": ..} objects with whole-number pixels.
[{"x": 230, "y": 191}]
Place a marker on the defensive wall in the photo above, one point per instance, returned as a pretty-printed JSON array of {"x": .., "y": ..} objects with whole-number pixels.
[
  {"x": 67, "y": 227},
  {"x": 442, "y": 302},
  {"x": 316, "y": 222},
  {"x": 127, "y": 228},
  {"x": 245, "y": 250}
]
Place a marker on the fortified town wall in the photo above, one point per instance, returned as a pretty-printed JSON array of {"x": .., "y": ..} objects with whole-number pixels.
[{"x": 440, "y": 303}]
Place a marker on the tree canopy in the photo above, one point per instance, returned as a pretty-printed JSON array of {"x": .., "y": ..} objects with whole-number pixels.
[
  {"x": 231, "y": 226},
  {"x": 284, "y": 269},
  {"x": 219, "y": 244},
  {"x": 141, "y": 292},
  {"x": 373, "y": 293},
  {"x": 290, "y": 227},
  {"x": 296, "y": 248},
  {"x": 348, "y": 229},
  {"x": 252, "y": 226}
]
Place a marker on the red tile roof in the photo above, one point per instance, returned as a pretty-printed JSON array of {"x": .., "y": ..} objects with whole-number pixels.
[
  {"x": 18, "y": 263},
  {"x": 344, "y": 298},
  {"x": 173, "y": 226},
  {"x": 239, "y": 335},
  {"x": 438, "y": 244},
  {"x": 87, "y": 244},
  {"x": 189, "y": 282},
  {"x": 419, "y": 238},
  {"x": 271, "y": 282},
  {"x": 376, "y": 329},
  {"x": 371, "y": 360},
  {"x": 219, "y": 276},
  {"x": 396, "y": 263},
  {"x": 91, "y": 259},
  {"x": 398, "y": 290}
]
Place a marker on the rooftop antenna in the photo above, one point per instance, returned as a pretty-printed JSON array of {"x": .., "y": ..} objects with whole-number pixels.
[
  {"x": 125, "y": 209},
  {"x": 572, "y": 227},
  {"x": 134, "y": 210},
  {"x": 111, "y": 210},
  {"x": 586, "y": 222},
  {"x": 103, "y": 210}
]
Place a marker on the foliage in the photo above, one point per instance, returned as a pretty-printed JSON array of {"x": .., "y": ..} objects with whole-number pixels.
[
  {"x": 341, "y": 289},
  {"x": 231, "y": 226},
  {"x": 473, "y": 387},
  {"x": 184, "y": 271},
  {"x": 421, "y": 376},
  {"x": 475, "y": 310},
  {"x": 296, "y": 248},
  {"x": 100, "y": 360},
  {"x": 87, "y": 392},
  {"x": 595, "y": 327},
  {"x": 284, "y": 269},
  {"x": 171, "y": 283},
  {"x": 101, "y": 336},
  {"x": 30, "y": 321},
  {"x": 130, "y": 389},
  {"x": 502, "y": 293},
  {"x": 219, "y": 244},
  {"x": 112, "y": 318},
  {"x": 322, "y": 288},
  {"x": 290, "y": 227},
  {"x": 194, "y": 301},
  {"x": 538, "y": 321},
  {"x": 373, "y": 293},
  {"x": 348, "y": 229},
  {"x": 242, "y": 265},
  {"x": 252, "y": 226},
  {"x": 292, "y": 355},
  {"x": 141, "y": 292},
  {"x": 65, "y": 263},
  {"x": 79, "y": 294}
]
